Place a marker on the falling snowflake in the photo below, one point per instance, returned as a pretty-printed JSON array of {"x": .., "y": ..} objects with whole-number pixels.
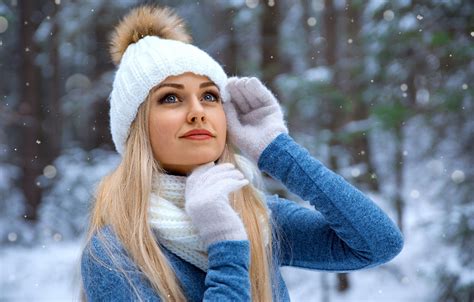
[
  {"x": 12, "y": 237},
  {"x": 251, "y": 3},
  {"x": 3, "y": 24},
  {"x": 49, "y": 171},
  {"x": 458, "y": 176},
  {"x": 388, "y": 15},
  {"x": 57, "y": 237},
  {"x": 415, "y": 194},
  {"x": 311, "y": 21},
  {"x": 355, "y": 172}
]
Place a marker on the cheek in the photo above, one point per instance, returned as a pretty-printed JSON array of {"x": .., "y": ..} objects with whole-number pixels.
[
  {"x": 160, "y": 131},
  {"x": 223, "y": 122},
  {"x": 221, "y": 125}
]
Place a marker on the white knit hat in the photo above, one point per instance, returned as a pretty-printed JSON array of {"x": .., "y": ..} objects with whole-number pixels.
[{"x": 147, "y": 62}]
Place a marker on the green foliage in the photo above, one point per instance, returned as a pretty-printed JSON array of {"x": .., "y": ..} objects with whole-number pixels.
[
  {"x": 391, "y": 115},
  {"x": 440, "y": 38},
  {"x": 453, "y": 101}
]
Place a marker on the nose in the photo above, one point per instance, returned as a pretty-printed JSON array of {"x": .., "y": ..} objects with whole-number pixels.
[{"x": 196, "y": 111}]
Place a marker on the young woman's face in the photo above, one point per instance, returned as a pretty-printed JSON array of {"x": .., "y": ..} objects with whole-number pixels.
[{"x": 180, "y": 104}]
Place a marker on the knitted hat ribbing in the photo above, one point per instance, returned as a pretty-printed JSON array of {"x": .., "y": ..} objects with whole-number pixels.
[{"x": 147, "y": 62}]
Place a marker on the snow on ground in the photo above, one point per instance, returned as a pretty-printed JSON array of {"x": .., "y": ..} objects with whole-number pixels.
[{"x": 41, "y": 273}]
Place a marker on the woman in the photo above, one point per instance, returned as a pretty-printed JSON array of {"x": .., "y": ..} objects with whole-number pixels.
[{"x": 179, "y": 220}]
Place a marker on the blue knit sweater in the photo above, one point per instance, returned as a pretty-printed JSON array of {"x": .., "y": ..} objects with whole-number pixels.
[{"x": 347, "y": 232}]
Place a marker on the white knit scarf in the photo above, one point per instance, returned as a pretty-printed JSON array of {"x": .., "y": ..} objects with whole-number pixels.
[
  {"x": 167, "y": 216},
  {"x": 174, "y": 227}
]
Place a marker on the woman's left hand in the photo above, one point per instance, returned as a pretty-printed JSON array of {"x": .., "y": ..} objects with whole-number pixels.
[
  {"x": 207, "y": 202},
  {"x": 254, "y": 117}
]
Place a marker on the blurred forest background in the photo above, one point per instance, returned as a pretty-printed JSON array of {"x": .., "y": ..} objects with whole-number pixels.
[{"x": 380, "y": 91}]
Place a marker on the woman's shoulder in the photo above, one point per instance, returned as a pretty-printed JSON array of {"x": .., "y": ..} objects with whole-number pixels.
[
  {"x": 103, "y": 237},
  {"x": 108, "y": 273},
  {"x": 104, "y": 247}
]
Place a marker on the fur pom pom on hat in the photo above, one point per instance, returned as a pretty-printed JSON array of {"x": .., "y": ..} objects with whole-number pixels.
[{"x": 149, "y": 45}]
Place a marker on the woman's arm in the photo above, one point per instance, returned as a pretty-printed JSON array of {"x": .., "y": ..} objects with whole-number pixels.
[
  {"x": 227, "y": 278},
  {"x": 227, "y": 275},
  {"x": 221, "y": 229},
  {"x": 350, "y": 232}
]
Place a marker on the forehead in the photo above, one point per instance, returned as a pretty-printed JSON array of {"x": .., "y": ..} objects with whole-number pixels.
[{"x": 186, "y": 77}]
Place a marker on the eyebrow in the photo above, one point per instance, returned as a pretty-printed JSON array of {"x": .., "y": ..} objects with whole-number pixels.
[{"x": 180, "y": 86}]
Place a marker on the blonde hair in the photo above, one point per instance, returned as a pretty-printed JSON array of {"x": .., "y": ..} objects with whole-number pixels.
[{"x": 122, "y": 201}]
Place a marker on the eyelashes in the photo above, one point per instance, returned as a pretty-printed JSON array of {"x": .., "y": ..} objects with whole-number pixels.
[
  {"x": 215, "y": 98},
  {"x": 172, "y": 98},
  {"x": 168, "y": 99}
]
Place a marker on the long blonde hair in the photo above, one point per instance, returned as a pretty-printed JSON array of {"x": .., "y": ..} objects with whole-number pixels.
[{"x": 122, "y": 201}]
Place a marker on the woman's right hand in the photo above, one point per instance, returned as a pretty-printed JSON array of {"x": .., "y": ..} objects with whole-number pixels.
[
  {"x": 254, "y": 116},
  {"x": 207, "y": 202}
]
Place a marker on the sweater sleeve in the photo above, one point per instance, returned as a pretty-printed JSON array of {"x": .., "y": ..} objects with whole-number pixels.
[
  {"x": 108, "y": 273},
  {"x": 348, "y": 232},
  {"x": 228, "y": 277}
]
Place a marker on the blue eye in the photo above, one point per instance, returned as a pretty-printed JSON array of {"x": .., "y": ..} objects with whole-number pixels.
[
  {"x": 169, "y": 99},
  {"x": 210, "y": 97}
]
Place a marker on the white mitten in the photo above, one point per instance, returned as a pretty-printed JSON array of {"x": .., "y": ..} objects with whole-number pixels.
[
  {"x": 207, "y": 202},
  {"x": 254, "y": 117}
]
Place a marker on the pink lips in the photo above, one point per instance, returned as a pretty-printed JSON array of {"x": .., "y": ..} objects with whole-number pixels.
[
  {"x": 198, "y": 137},
  {"x": 198, "y": 134}
]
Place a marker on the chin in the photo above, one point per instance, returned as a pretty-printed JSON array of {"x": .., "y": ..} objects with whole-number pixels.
[{"x": 207, "y": 159}]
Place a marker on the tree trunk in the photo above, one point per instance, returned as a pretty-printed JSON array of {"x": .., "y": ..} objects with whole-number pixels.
[
  {"x": 52, "y": 148},
  {"x": 30, "y": 109},
  {"x": 98, "y": 130},
  {"x": 231, "y": 49},
  {"x": 270, "y": 44},
  {"x": 359, "y": 145},
  {"x": 308, "y": 31},
  {"x": 399, "y": 166}
]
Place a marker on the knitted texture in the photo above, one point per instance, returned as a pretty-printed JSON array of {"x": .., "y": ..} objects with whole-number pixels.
[
  {"x": 254, "y": 117},
  {"x": 146, "y": 64},
  {"x": 167, "y": 216},
  {"x": 348, "y": 232},
  {"x": 207, "y": 202},
  {"x": 174, "y": 226}
]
